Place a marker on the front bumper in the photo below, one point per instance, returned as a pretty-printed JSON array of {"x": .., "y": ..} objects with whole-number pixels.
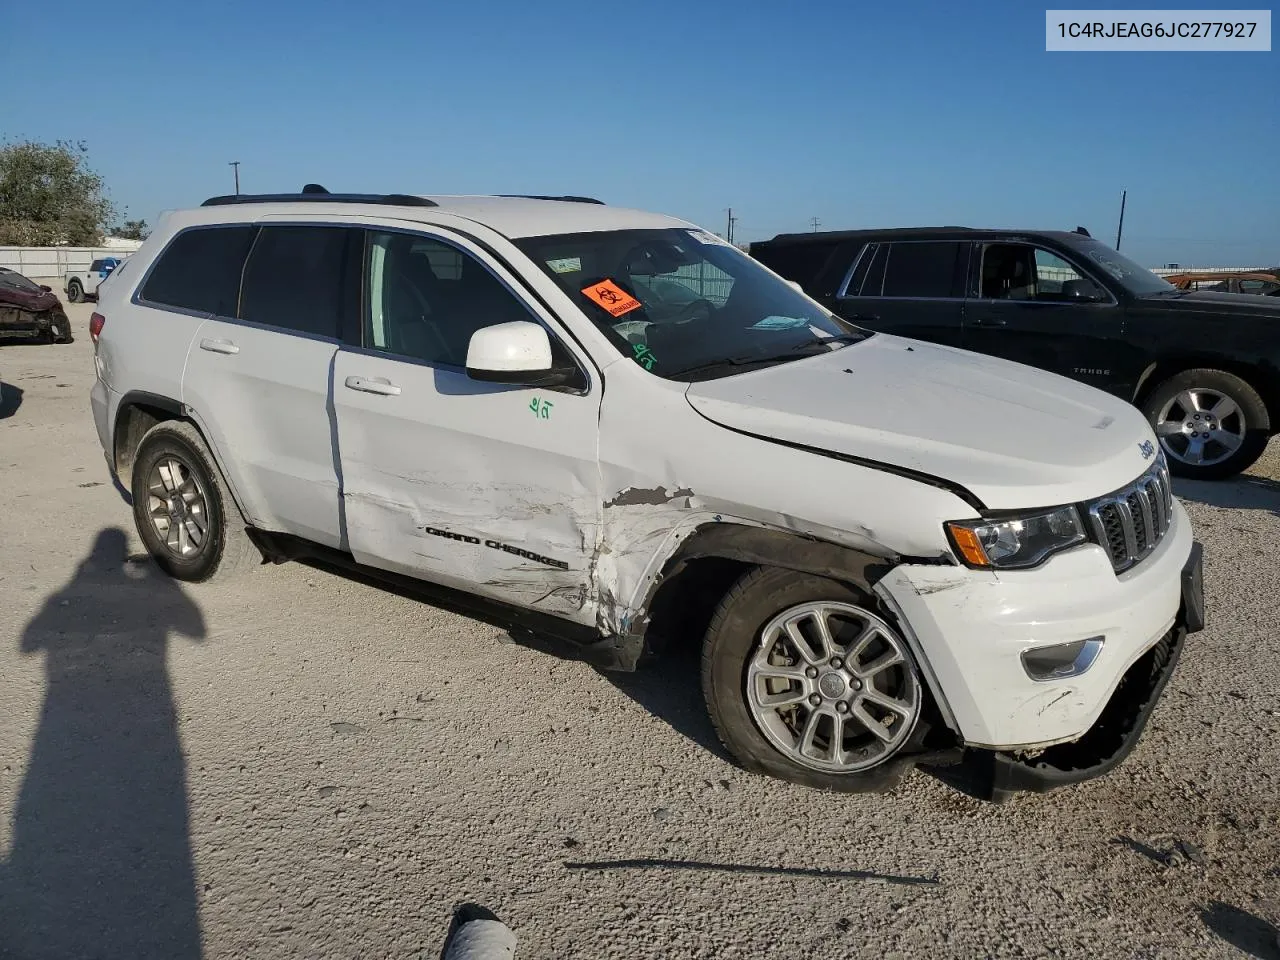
[
  {"x": 970, "y": 629},
  {"x": 998, "y": 776}
]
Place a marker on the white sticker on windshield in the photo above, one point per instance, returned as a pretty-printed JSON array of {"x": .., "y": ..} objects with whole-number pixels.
[
  {"x": 565, "y": 265},
  {"x": 780, "y": 323},
  {"x": 709, "y": 238}
]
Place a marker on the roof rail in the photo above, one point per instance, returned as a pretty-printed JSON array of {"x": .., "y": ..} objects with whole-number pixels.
[
  {"x": 531, "y": 196},
  {"x": 315, "y": 193}
]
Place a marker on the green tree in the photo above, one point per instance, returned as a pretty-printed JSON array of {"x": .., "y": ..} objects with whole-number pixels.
[
  {"x": 49, "y": 195},
  {"x": 132, "y": 230}
]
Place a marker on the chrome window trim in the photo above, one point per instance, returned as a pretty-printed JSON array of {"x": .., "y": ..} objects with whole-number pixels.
[{"x": 843, "y": 290}]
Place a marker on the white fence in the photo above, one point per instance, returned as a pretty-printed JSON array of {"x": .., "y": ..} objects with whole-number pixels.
[
  {"x": 1170, "y": 271},
  {"x": 47, "y": 263}
]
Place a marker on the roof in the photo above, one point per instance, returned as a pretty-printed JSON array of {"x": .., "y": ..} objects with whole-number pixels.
[
  {"x": 524, "y": 217},
  {"x": 511, "y": 216},
  {"x": 918, "y": 233}
]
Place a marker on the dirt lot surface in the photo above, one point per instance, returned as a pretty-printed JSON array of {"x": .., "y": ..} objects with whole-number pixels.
[{"x": 311, "y": 767}]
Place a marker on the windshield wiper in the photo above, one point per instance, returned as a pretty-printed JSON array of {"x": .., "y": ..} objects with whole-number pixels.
[{"x": 783, "y": 357}]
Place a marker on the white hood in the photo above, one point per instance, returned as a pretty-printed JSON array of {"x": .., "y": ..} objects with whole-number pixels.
[{"x": 1013, "y": 435}]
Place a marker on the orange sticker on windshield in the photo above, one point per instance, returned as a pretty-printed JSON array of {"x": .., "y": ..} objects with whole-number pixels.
[{"x": 612, "y": 297}]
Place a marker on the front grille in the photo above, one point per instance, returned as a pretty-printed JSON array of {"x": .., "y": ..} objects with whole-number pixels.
[{"x": 1129, "y": 523}]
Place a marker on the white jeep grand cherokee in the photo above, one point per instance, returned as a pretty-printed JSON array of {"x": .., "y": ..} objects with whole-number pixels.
[{"x": 613, "y": 428}]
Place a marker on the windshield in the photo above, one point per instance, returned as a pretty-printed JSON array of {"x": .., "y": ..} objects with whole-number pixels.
[
  {"x": 1137, "y": 280},
  {"x": 16, "y": 280},
  {"x": 684, "y": 304}
]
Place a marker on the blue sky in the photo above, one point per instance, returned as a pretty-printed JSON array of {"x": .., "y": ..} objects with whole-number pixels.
[{"x": 859, "y": 114}]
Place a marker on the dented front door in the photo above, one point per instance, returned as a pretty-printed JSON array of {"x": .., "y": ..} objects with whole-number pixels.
[{"x": 487, "y": 487}]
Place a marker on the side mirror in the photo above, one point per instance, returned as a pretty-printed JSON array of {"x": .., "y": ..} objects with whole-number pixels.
[
  {"x": 46, "y": 288},
  {"x": 517, "y": 352},
  {"x": 1082, "y": 289}
]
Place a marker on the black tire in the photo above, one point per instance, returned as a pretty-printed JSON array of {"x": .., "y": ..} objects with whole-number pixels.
[
  {"x": 731, "y": 639},
  {"x": 60, "y": 329},
  {"x": 1251, "y": 414},
  {"x": 75, "y": 292},
  {"x": 225, "y": 550}
]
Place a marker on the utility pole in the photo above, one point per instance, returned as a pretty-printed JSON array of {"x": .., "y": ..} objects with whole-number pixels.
[
  {"x": 236, "y": 165},
  {"x": 732, "y": 220},
  {"x": 816, "y": 223},
  {"x": 1120, "y": 229}
]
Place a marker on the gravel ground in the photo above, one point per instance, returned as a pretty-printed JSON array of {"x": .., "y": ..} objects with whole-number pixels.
[{"x": 315, "y": 767}]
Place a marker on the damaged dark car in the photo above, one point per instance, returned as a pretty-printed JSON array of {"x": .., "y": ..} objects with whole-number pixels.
[{"x": 31, "y": 311}]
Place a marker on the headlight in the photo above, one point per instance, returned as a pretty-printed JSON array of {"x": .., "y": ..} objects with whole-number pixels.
[{"x": 1017, "y": 541}]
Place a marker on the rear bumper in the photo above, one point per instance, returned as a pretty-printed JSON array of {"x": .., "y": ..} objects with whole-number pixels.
[{"x": 103, "y": 401}]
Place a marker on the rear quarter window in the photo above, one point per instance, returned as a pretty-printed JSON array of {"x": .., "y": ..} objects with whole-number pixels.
[{"x": 200, "y": 270}]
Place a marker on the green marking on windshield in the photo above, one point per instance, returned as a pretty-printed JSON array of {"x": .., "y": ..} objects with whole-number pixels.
[{"x": 643, "y": 356}]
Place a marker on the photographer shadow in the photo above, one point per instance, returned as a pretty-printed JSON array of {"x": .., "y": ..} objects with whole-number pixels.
[{"x": 100, "y": 862}]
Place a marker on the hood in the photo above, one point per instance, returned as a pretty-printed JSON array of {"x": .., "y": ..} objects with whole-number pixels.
[
  {"x": 1220, "y": 304},
  {"x": 1012, "y": 435}
]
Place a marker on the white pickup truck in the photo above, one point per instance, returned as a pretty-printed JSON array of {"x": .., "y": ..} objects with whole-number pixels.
[{"x": 81, "y": 285}]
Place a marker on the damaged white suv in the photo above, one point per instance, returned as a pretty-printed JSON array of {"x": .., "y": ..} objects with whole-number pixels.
[{"x": 611, "y": 427}]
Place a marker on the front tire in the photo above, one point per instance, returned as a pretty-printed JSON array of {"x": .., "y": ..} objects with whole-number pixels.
[
  {"x": 183, "y": 510},
  {"x": 806, "y": 681},
  {"x": 1211, "y": 424},
  {"x": 75, "y": 292}
]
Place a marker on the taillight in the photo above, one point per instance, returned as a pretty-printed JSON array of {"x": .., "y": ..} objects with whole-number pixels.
[{"x": 96, "y": 322}]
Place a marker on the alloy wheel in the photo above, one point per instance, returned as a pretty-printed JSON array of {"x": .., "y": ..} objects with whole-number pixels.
[
  {"x": 832, "y": 687},
  {"x": 178, "y": 507},
  {"x": 1201, "y": 427}
]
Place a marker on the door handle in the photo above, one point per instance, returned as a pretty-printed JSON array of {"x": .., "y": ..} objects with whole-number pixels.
[
  {"x": 379, "y": 385},
  {"x": 990, "y": 322},
  {"x": 218, "y": 346}
]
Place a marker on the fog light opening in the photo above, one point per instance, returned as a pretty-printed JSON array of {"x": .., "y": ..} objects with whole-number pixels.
[{"x": 1061, "y": 661}]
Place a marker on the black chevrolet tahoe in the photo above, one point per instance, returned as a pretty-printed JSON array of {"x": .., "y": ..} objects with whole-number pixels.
[{"x": 1204, "y": 367}]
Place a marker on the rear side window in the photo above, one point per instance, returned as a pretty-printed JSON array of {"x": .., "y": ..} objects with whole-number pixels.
[
  {"x": 200, "y": 270},
  {"x": 922, "y": 269},
  {"x": 302, "y": 279}
]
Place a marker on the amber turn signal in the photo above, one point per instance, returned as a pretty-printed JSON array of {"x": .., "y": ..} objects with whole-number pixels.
[{"x": 969, "y": 545}]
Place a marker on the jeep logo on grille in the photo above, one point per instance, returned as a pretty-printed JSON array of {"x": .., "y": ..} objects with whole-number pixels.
[{"x": 1147, "y": 449}]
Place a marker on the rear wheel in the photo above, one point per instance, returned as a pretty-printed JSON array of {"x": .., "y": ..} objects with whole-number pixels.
[
  {"x": 806, "y": 681},
  {"x": 183, "y": 509},
  {"x": 75, "y": 292},
  {"x": 1211, "y": 424}
]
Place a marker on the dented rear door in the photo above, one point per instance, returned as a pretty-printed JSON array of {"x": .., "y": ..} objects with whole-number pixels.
[{"x": 487, "y": 487}]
